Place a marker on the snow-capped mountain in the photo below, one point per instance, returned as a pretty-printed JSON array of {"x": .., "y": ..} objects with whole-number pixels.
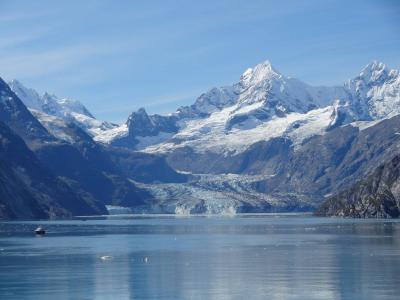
[
  {"x": 47, "y": 103},
  {"x": 49, "y": 106},
  {"x": 265, "y": 143},
  {"x": 265, "y": 86},
  {"x": 375, "y": 92},
  {"x": 264, "y": 104},
  {"x": 279, "y": 95}
]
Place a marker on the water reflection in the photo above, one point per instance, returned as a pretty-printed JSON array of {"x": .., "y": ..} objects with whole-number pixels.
[{"x": 202, "y": 258}]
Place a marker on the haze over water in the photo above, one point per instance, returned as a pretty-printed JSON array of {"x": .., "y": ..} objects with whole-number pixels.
[{"x": 253, "y": 257}]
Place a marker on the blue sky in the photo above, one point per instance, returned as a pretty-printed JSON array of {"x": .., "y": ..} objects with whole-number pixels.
[{"x": 117, "y": 56}]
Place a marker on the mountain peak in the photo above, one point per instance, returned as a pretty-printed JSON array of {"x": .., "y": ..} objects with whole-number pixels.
[
  {"x": 261, "y": 72},
  {"x": 375, "y": 65},
  {"x": 48, "y": 103},
  {"x": 49, "y": 97},
  {"x": 141, "y": 111},
  {"x": 29, "y": 96},
  {"x": 138, "y": 116},
  {"x": 374, "y": 71}
]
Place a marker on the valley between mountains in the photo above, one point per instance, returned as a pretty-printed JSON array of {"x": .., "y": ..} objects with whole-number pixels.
[{"x": 267, "y": 143}]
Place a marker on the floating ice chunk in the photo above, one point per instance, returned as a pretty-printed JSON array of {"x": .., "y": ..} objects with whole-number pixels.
[{"x": 106, "y": 257}]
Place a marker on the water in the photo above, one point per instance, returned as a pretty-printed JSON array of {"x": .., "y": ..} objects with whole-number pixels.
[{"x": 242, "y": 257}]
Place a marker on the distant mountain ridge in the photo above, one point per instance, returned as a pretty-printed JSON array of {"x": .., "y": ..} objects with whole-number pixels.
[
  {"x": 47, "y": 103},
  {"x": 62, "y": 108},
  {"x": 266, "y": 143},
  {"x": 263, "y": 100},
  {"x": 262, "y": 95}
]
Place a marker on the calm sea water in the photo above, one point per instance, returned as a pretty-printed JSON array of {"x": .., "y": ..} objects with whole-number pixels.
[{"x": 242, "y": 257}]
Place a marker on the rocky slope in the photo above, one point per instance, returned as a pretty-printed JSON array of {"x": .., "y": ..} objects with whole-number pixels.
[
  {"x": 70, "y": 155},
  {"x": 30, "y": 191},
  {"x": 378, "y": 196}
]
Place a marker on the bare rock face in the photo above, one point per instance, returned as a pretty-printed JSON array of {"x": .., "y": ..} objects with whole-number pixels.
[
  {"x": 140, "y": 124},
  {"x": 378, "y": 196}
]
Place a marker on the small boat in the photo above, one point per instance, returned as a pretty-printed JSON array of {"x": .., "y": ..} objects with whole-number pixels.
[{"x": 40, "y": 230}]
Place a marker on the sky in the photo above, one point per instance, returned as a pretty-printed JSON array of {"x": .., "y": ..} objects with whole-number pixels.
[{"x": 118, "y": 56}]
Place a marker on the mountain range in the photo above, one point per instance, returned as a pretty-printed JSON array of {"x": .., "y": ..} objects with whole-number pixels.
[{"x": 268, "y": 143}]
